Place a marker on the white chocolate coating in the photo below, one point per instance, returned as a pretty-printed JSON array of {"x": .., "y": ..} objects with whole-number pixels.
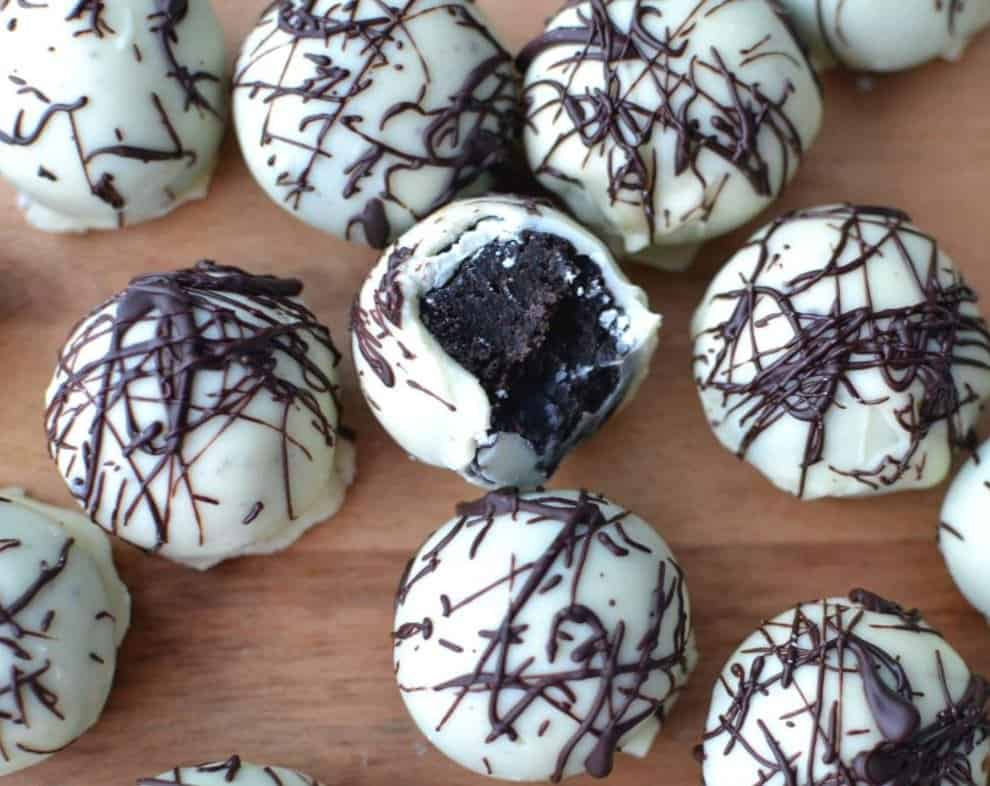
[
  {"x": 111, "y": 113},
  {"x": 63, "y": 614},
  {"x": 795, "y": 691},
  {"x": 964, "y": 534},
  {"x": 841, "y": 354},
  {"x": 360, "y": 122},
  {"x": 649, "y": 149},
  {"x": 886, "y": 35},
  {"x": 260, "y": 463},
  {"x": 232, "y": 772},
  {"x": 432, "y": 406},
  {"x": 587, "y": 625}
]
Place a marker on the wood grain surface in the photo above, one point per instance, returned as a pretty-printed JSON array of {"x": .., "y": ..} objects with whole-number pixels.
[{"x": 287, "y": 659}]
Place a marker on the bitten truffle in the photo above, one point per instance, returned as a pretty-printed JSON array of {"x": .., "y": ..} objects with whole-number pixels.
[
  {"x": 361, "y": 118},
  {"x": 232, "y": 772},
  {"x": 538, "y": 634},
  {"x": 841, "y": 353},
  {"x": 857, "y": 691},
  {"x": 111, "y": 113},
  {"x": 195, "y": 415},
  {"x": 964, "y": 532},
  {"x": 664, "y": 123},
  {"x": 886, "y": 35},
  {"x": 496, "y": 335},
  {"x": 63, "y": 614}
]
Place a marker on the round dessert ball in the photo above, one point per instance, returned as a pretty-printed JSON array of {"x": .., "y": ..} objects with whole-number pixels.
[
  {"x": 964, "y": 534},
  {"x": 913, "y": 31},
  {"x": 664, "y": 123},
  {"x": 847, "y": 691},
  {"x": 63, "y": 614},
  {"x": 538, "y": 634},
  {"x": 195, "y": 415},
  {"x": 495, "y": 336},
  {"x": 111, "y": 113},
  {"x": 361, "y": 118},
  {"x": 233, "y": 771},
  {"x": 842, "y": 354}
]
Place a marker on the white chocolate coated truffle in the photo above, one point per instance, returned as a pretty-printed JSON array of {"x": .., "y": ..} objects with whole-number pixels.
[
  {"x": 854, "y": 691},
  {"x": 886, "y": 35},
  {"x": 964, "y": 533},
  {"x": 688, "y": 122},
  {"x": 63, "y": 613},
  {"x": 111, "y": 113},
  {"x": 841, "y": 353},
  {"x": 361, "y": 118},
  {"x": 542, "y": 349},
  {"x": 195, "y": 415},
  {"x": 538, "y": 634},
  {"x": 232, "y": 772}
]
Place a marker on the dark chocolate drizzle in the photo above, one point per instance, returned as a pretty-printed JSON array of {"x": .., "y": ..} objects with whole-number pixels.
[
  {"x": 164, "y": 20},
  {"x": 468, "y": 133},
  {"x": 834, "y": 37},
  {"x": 26, "y": 686},
  {"x": 610, "y": 121},
  {"x": 230, "y": 771},
  {"x": 206, "y": 319},
  {"x": 619, "y": 705},
  {"x": 910, "y": 755},
  {"x": 921, "y": 344}
]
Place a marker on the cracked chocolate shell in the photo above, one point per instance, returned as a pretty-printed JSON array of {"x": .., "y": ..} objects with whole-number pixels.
[{"x": 495, "y": 336}]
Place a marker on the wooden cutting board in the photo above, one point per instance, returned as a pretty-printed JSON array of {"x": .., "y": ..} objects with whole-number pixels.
[{"x": 287, "y": 660}]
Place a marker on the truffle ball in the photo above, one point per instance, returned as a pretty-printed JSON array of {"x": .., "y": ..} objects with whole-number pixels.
[
  {"x": 847, "y": 691},
  {"x": 111, "y": 113},
  {"x": 842, "y": 354},
  {"x": 538, "y": 634},
  {"x": 233, "y": 772},
  {"x": 63, "y": 614},
  {"x": 195, "y": 415},
  {"x": 664, "y": 123},
  {"x": 964, "y": 533},
  {"x": 913, "y": 31},
  {"x": 496, "y": 335},
  {"x": 361, "y": 118}
]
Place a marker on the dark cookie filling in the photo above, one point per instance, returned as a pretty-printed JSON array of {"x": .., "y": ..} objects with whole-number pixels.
[{"x": 533, "y": 320}]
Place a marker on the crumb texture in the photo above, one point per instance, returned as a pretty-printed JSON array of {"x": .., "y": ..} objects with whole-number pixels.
[{"x": 533, "y": 320}]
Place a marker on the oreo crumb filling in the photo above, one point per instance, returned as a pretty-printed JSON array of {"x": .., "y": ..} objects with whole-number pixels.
[{"x": 533, "y": 320}]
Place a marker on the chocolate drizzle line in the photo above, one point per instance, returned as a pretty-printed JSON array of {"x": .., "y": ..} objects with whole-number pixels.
[
  {"x": 209, "y": 319},
  {"x": 682, "y": 101},
  {"x": 26, "y": 681},
  {"x": 467, "y": 134},
  {"x": 164, "y": 19},
  {"x": 230, "y": 771},
  {"x": 620, "y": 704},
  {"x": 919, "y": 345},
  {"x": 833, "y": 34},
  {"x": 910, "y": 755}
]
